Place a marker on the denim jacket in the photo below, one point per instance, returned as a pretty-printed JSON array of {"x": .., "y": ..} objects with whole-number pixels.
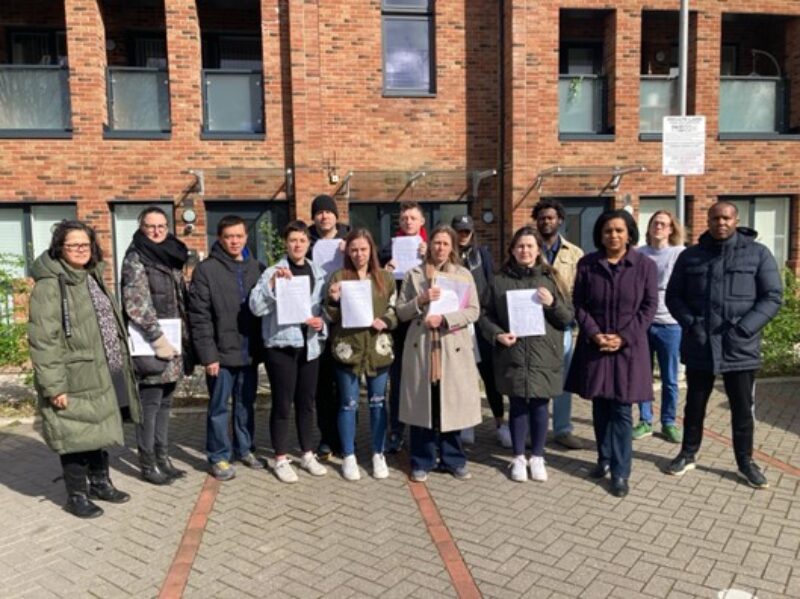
[{"x": 263, "y": 303}]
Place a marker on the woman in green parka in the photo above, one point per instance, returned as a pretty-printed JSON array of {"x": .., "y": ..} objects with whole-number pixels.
[
  {"x": 528, "y": 369},
  {"x": 82, "y": 367},
  {"x": 363, "y": 351}
]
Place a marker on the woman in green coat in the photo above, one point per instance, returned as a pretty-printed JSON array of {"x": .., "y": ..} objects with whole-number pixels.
[
  {"x": 82, "y": 367},
  {"x": 527, "y": 368},
  {"x": 363, "y": 351}
]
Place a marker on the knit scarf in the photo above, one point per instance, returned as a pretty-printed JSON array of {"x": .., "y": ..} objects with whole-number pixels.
[
  {"x": 171, "y": 252},
  {"x": 435, "y": 334}
]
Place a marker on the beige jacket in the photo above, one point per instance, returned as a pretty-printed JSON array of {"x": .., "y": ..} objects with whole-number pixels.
[
  {"x": 460, "y": 395},
  {"x": 566, "y": 262}
]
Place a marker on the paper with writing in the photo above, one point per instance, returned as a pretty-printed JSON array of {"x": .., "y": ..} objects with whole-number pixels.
[
  {"x": 525, "y": 313},
  {"x": 454, "y": 296},
  {"x": 294, "y": 299},
  {"x": 171, "y": 327},
  {"x": 405, "y": 253},
  {"x": 356, "y": 304}
]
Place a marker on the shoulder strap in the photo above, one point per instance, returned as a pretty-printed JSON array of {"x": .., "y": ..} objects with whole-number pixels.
[{"x": 66, "y": 323}]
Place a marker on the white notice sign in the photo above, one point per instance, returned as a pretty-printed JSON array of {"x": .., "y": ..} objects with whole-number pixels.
[
  {"x": 684, "y": 147},
  {"x": 294, "y": 299}
]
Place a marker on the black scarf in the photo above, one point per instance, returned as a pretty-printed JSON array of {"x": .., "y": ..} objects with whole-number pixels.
[{"x": 171, "y": 252}]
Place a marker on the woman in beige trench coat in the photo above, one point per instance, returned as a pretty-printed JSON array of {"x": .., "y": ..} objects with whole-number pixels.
[{"x": 439, "y": 392}]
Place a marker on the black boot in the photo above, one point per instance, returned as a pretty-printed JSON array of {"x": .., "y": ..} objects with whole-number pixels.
[
  {"x": 100, "y": 485},
  {"x": 165, "y": 464},
  {"x": 150, "y": 470},
  {"x": 78, "y": 503}
]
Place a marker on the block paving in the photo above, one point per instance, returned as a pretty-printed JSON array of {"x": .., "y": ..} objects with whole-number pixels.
[{"x": 692, "y": 536}]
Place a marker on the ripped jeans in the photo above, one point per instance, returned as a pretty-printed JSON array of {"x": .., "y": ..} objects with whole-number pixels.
[{"x": 348, "y": 385}]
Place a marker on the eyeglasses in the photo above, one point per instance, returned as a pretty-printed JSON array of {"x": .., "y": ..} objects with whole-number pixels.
[
  {"x": 155, "y": 227},
  {"x": 77, "y": 247},
  {"x": 658, "y": 223}
]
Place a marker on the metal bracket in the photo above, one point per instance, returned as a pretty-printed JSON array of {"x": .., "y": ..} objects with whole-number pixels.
[
  {"x": 477, "y": 178},
  {"x": 199, "y": 181}
]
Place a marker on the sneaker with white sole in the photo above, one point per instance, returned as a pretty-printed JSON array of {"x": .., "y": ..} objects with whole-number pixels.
[
  {"x": 519, "y": 469},
  {"x": 468, "y": 436},
  {"x": 350, "y": 469},
  {"x": 284, "y": 471},
  {"x": 538, "y": 471},
  {"x": 310, "y": 464},
  {"x": 379, "y": 468},
  {"x": 504, "y": 436}
]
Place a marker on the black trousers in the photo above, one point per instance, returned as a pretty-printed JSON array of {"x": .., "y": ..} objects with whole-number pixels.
[
  {"x": 77, "y": 466},
  {"x": 740, "y": 389},
  {"x": 293, "y": 381},
  {"x": 486, "y": 370},
  {"x": 396, "y": 427},
  {"x": 327, "y": 402},
  {"x": 156, "y": 402}
]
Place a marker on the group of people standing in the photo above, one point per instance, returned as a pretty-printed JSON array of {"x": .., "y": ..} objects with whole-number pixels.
[{"x": 605, "y": 316}]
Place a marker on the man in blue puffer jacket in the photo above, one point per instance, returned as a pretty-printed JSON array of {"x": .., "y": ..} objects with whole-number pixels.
[{"x": 723, "y": 291}]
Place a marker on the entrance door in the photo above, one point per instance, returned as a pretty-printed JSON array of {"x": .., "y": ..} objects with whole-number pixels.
[{"x": 581, "y": 216}]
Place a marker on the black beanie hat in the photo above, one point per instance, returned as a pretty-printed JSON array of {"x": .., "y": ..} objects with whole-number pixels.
[{"x": 324, "y": 202}]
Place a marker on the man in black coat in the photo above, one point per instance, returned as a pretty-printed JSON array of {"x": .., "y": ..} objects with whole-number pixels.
[
  {"x": 227, "y": 341},
  {"x": 723, "y": 292}
]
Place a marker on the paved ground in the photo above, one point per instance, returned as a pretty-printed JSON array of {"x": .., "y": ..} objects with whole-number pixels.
[{"x": 688, "y": 537}]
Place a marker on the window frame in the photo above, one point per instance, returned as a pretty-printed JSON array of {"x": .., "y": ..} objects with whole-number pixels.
[
  {"x": 752, "y": 202},
  {"x": 410, "y": 13},
  {"x": 52, "y": 34},
  {"x": 245, "y": 209},
  {"x": 28, "y": 252}
]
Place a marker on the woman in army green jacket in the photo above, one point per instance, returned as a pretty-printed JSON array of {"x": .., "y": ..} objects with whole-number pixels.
[
  {"x": 362, "y": 351},
  {"x": 82, "y": 368},
  {"x": 527, "y": 369}
]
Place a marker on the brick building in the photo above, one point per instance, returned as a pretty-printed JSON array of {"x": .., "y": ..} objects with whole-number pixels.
[{"x": 255, "y": 106}]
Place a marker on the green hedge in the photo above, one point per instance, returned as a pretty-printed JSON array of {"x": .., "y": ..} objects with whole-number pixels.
[{"x": 781, "y": 341}]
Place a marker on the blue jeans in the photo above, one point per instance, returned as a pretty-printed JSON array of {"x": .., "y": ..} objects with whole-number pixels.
[
  {"x": 665, "y": 342},
  {"x": 348, "y": 384},
  {"x": 240, "y": 383},
  {"x": 562, "y": 404},
  {"x": 612, "y": 429}
]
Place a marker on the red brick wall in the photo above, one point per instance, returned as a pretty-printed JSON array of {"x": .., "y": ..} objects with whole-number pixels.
[{"x": 732, "y": 167}]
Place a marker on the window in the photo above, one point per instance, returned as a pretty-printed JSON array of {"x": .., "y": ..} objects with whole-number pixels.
[
  {"x": 233, "y": 86},
  {"x": 581, "y": 216},
  {"x": 126, "y": 223},
  {"x": 26, "y": 230},
  {"x": 256, "y": 215},
  {"x": 769, "y": 216},
  {"x": 648, "y": 207},
  {"x": 381, "y": 218},
  {"x": 42, "y": 47},
  {"x": 408, "y": 58}
]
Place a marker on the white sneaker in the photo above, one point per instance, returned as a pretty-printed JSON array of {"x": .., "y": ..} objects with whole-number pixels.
[
  {"x": 285, "y": 472},
  {"x": 379, "y": 468},
  {"x": 504, "y": 436},
  {"x": 519, "y": 469},
  {"x": 468, "y": 436},
  {"x": 310, "y": 464},
  {"x": 538, "y": 471},
  {"x": 350, "y": 469}
]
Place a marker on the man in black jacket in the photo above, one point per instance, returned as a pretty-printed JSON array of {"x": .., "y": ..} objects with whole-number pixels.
[
  {"x": 326, "y": 225},
  {"x": 723, "y": 291},
  {"x": 227, "y": 340}
]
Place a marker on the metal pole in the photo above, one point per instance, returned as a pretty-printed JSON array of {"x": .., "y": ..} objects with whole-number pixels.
[{"x": 683, "y": 64}]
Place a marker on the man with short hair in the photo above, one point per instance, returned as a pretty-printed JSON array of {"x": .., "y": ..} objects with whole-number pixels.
[
  {"x": 723, "y": 292},
  {"x": 412, "y": 222},
  {"x": 326, "y": 225},
  {"x": 227, "y": 340},
  {"x": 549, "y": 215}
]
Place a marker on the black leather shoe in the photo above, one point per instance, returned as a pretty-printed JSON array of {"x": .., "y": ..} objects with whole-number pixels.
[
  {"x": 619, "y": 487},
  {"x": 78, "y": 504},
  {"x": 599, "y": 471}
]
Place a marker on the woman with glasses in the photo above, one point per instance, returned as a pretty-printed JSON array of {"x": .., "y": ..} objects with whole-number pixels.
[
  {"x": 82, "y": 370},
  {"x": 153, "y": 289}
]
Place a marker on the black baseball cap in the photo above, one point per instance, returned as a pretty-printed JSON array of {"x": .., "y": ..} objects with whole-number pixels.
[{"x": 463, "y": 223}]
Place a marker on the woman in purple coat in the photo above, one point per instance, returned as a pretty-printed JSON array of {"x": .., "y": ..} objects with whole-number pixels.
[{"x": 615, "y": 299}]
